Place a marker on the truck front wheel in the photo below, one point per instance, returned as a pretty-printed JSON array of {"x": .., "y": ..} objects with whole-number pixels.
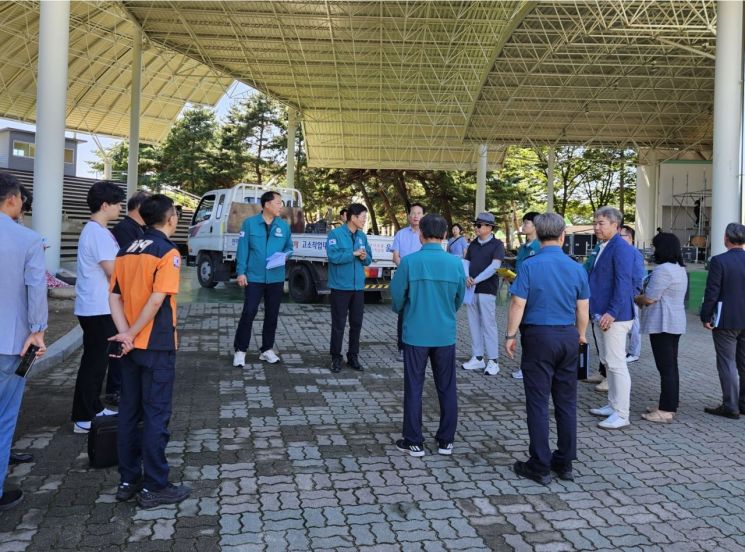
[
  {"x": 206, "y": 270},
  {"x": 301, "y": 284}
]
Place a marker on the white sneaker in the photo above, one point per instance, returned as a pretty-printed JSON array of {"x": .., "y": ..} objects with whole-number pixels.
[
  {"x": 81, "y": 427},
  {"x": 106, "y": 412},
  {"x": 518, "y": 374},
  {"x": 597, "y": 377},
  {"x": 603, "y": 411},
  {"x": 602, "y": 387},
  {"x": 631, "y": 358},
  {"x": 474, "y": 364},
  {"x": 239, "y": 358},
  {"x": 614, "y": 421},
  {"x": 492, "y": 368},
  {"x": 270, "y": 356}
]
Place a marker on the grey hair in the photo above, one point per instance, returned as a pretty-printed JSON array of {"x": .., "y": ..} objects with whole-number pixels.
[
  {"x": 549, "y": 226},
  {"x": 611, "y": 213},
  {"x": 735, "y": 233}
]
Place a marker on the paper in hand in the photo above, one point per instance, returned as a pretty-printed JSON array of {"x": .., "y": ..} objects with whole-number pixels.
[{"x": 276, "y": 259}]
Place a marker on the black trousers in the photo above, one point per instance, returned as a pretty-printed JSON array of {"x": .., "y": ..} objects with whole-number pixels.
[
  {"x": 665, "y": 351},
  {"x": 549, "y": 365},
  {"x": 443, "y": 372},
  {"x": 272, "y": 295},
  {"x": 97, "y": 330},
  {"x": 399, "y": 331},
  {"x": 346, "y": 303}
]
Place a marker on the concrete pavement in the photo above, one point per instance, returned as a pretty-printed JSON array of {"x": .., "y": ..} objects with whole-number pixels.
[{"x": 292, "y": 457}]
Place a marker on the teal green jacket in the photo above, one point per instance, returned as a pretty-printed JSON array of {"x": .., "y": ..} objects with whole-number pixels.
[
  {"x": 256, "y": 243},
  {"x": 525, "y": 251},
  {"x": 428, "y": 288},
  {"x": 347, "y": 272}
]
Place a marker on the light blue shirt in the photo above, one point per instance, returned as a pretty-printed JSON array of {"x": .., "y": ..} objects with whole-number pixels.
[
  {"x": 551, "y": 283},
  {"x": 24, "y": 284},
  {"x": 457, "y": 246},
  {"x": 406, "y": 241}
]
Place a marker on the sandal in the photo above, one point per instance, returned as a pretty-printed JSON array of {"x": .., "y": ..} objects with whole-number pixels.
[{"x": 659, "y": 416}]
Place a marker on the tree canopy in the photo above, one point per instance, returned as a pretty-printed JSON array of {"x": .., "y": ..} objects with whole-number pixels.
[{"x": 250, "y": 145}]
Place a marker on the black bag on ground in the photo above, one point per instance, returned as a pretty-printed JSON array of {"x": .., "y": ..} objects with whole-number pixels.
[{"x": 102, "y": 442}]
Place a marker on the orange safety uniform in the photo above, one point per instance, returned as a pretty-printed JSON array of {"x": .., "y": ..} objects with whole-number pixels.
[{"x": 149, "y": 265}]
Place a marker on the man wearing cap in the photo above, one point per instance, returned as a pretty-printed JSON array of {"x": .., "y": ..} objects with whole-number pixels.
[{"x": 483, "y": 257}]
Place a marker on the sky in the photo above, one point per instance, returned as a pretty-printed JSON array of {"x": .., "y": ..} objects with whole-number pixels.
[{"x": 87, "y": 150}]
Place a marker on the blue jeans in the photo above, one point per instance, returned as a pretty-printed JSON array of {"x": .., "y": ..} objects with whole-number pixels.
[
  {"x": 147, "y": 396},
  {"x": 11, "y": 393}
]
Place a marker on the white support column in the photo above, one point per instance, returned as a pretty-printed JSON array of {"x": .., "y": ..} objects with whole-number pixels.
[
  {"x": 134, "y": 114},
  {"x": 291, "y": 127},
  {"x": 647, "y": 187},
  {"x": 483, "y": 150},
  {"x": 51, "y": 96},
  {"x": 726, "y": 193},
  {"x": 550, "y": 180}
]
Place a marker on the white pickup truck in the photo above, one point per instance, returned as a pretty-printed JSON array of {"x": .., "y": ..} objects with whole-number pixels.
[{"x": 213, "y": 242}]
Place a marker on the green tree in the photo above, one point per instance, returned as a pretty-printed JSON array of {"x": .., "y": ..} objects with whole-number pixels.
[
  {"x": 189, "y": 151},
  {"x": 148, "y": 162}
]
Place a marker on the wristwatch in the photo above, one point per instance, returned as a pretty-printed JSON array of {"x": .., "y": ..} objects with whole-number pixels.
[{"x": 507, "y": 337}]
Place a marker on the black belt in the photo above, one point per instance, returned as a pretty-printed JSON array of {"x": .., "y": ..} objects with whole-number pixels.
[{"x": 547, "y": 326}]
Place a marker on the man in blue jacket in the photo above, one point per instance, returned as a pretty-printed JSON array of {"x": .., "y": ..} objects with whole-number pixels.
[
  {"x": 349, "y": 254},
  {"x": 261, "y": 236},
  {"x": 427, "y": 292},
  {"x": 611, "y": 309}
]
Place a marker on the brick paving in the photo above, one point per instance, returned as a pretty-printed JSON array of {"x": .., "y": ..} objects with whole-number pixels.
[{"x": 292, "y": 457}]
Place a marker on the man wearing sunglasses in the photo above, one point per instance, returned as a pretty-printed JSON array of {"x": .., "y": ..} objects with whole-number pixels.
[{"x": 483, "y": 257}]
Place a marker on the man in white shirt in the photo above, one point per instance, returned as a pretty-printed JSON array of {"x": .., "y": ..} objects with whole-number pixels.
[{"x": 97, "y": 250}]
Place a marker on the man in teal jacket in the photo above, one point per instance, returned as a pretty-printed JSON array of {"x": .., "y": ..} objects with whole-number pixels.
[
  {"x": 261, "y": 236},
  {"x": 428, "y": 290},
  {"x": 349, "y": 254}
]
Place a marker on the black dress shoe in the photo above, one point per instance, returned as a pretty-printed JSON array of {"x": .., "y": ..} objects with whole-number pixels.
[
  {"x": 20, "y": 458},
  {"x": 354, "y": 363},
  {"x": 722, "y": 411},
  {"x": 10, "y": 499},
  {"x": 522, "y": 469},
  {"x": 336, "y": 364},
  {"x": 565, "y": 474}
]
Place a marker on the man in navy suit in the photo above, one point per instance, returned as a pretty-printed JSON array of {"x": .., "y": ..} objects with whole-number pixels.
[
  {"x": 611, "y": 309},
  {"x": 723, "y": 312}
]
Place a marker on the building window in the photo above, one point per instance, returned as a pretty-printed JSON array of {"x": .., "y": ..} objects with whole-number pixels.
[
  {"x": 23, "y": 149},
  {"x": 27, "y": 149}
]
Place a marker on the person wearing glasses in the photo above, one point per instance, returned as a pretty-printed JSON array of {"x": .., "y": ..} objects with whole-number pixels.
[
  {"x": 483, "y": 257},
  {"x": 635, "y": 340},
  {"x": 261, "y": 236}
]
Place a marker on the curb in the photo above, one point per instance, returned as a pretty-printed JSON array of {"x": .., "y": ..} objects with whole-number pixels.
[{"x": 60, "y": 350}]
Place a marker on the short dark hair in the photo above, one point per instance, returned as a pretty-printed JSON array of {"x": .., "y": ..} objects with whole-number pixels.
[
  {"x": 9, "y": 186},
  {"x": 667, "y": 249},
  {"x": 549, "y": 226},
  {"x": 156, "y": 209},
  {"x": 102, "y": 192},
  {"x": 530, "y": 215},
  {"x": 343, "y": 212},
  {"x": 355, "y": 209},
  {"x": 735, "y": 233},
  {"x": 266, "y": 197},
  {"x": 629, "y": 230},
  {"x": 417, "y": 204},
  {"x": 433, "y": 226},
  {"x": 27, "y": 197},
  {"x": 136, "y": 200},
  {"x": 458, "y": 225}
]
